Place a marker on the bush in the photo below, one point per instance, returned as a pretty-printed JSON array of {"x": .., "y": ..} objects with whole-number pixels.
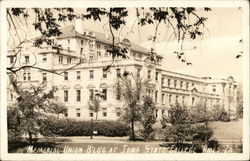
[
  {"x": 213, "y": 144},
  {"x": 69, "y": 127},
  {"x": 202, "y": 133}
]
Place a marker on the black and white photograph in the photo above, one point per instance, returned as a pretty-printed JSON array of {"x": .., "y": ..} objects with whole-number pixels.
[{"x": 121, "y": 80}]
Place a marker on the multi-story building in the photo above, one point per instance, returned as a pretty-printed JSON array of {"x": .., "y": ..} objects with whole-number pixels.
[{"x": 81, "y": 62}]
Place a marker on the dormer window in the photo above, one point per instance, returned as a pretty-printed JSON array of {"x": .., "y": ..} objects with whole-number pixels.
[{"x": 27, "y": 59}]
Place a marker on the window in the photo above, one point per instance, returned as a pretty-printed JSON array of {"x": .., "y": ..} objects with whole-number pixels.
[
  {"x": 106, "y": 47},
  {"x": 181, "y": 84},
  {"x": 169, "y": 82},
  {"x": 66, "y": 96},
  {"x": 118, "y": 72},
  {"x": 183, "y": 100},
  {"x": 91, "y": 94},
  {"x": 69, "y": 60},
  {"x": 193, "y": 99},
  {"x": 118, "y": 93},
  {"x": 104, "y": 112},
  {"x": 139, "y": 55},
  {"x": 68, "y": 48},
  {"x": 81, "y": 42},
  {"x": 175, "y": 83},
  {"x": 66, "y": 114},
  {"x": 68, "y": 41},
  {"x": 99, "y": 54},
  {"x": 29, "y": 76},
  {"x": 60, "y": 59},
  {"x": 98, "y": 46},
  {"x": 162, "y": 98},
  {"x": 163, "y": 112},
  {"x": 118, "y": 112},
  {"x": 78, "y": 95},
  {"x": 91, "y": 114},
  {"x": 11, "y": 59},
  {"x": 162, "y": 82},
  {"x": 156, "y": 94},
  {"x": 156, "y": 113},
  {"x": 44, "y": 77},
  {"x": 176, "y": 98},
  {"x": 78, "y": 75},
  {"x": 104, "y": 74},
  {"x": 156, "y": 76},
  {"x": 24, "y": 76},
  {"x": 44, "y": 58},
  {"x": 90, "y": 46},
  {"x": 78, "y": 112},
  {"x": 138, "y": 72},
  {"x": 149, "y": 74},
  {"x": 187, "y": 85},
  {"x": 104, "y": 92},
  {"x": 214, "y": 88},
  {"x": 65, "y": 75},
  {"x": 192, "y": 84},
  {"x": 91, "y": 74},
  {"x": 170, "y": 99},
  {"x": 91, "y": 57},
  {"x": 27, "y": 59},
  {"x": 81, "y": 51},
  {"x": 11, "y": 96}
]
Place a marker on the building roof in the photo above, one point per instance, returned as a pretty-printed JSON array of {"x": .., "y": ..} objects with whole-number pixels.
[{"x": 69, "y": 31}]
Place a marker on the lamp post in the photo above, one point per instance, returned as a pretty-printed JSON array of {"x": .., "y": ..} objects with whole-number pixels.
[{"x": 91, "y": 124}]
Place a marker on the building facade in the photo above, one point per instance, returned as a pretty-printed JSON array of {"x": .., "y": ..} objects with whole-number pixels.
[{"x": 81, "y": 62}]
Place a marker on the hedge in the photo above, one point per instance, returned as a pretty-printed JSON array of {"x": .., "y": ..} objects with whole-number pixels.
[{"x": 70, "y": 127}]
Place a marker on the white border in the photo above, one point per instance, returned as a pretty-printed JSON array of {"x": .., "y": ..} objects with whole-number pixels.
[{"x": 104, "y": 3}]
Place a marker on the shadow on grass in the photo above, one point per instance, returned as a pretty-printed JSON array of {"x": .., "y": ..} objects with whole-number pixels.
[{"x": 21, "y": 145}]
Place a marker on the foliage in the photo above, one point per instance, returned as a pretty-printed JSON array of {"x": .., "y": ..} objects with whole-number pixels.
[
  {"x": 131, "y": 89},
  {"x": 147, "y": 117},
  {"x": 178, "y": 124},
  {"x": 70, "y": 127},
  {"x": 200, "y": 113},
  {"x": 14, "y": 122},
  {"x": 94, "y": 103},
  {"x": 31, "y": 105},
  {"x": 239, "y": 105},
  {"x": 57, "y": 108},
  {"x": 202, "y": 133},
  {"x": 220, "y": 114}
]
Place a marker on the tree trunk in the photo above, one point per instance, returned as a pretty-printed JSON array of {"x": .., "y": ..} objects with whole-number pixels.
[
  {"x": 96, "y": 116},
  {"x": 132, "y": 136},
  {"x": 30, "y": 137}
]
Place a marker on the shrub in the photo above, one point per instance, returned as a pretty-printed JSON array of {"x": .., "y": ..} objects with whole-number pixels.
[
  {"x": 69, "y": 127},
  {"x": 213, "y": 144},
  {"x": 202, "y": 133}
]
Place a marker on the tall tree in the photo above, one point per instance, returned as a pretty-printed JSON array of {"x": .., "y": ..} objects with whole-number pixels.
[
  {"x": 178, "y": 125},
  {"x": 132, "y": 89},
  {"x": 147, "y": 118},
  {"x": 33, "y": 104},
  {"x": 94, "y": 103}
]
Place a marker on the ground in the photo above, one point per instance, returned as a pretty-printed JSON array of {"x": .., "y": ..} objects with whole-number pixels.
[
  {"x": 232, "y": 130},
  {"x": 226, "y": 132}
]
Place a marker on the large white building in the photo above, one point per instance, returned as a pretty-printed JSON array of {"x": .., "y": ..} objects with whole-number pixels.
[{"x": 82, "y": 60}]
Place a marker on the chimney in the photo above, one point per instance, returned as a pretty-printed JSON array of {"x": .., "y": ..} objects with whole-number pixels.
[{"x": 79, "y": 25}]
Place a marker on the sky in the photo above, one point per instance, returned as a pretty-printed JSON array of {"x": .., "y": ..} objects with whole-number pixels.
[{"x": 211, "y": 55}]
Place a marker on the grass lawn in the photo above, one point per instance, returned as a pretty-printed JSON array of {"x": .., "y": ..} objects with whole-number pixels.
[{"x": 232, "y": 130}]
